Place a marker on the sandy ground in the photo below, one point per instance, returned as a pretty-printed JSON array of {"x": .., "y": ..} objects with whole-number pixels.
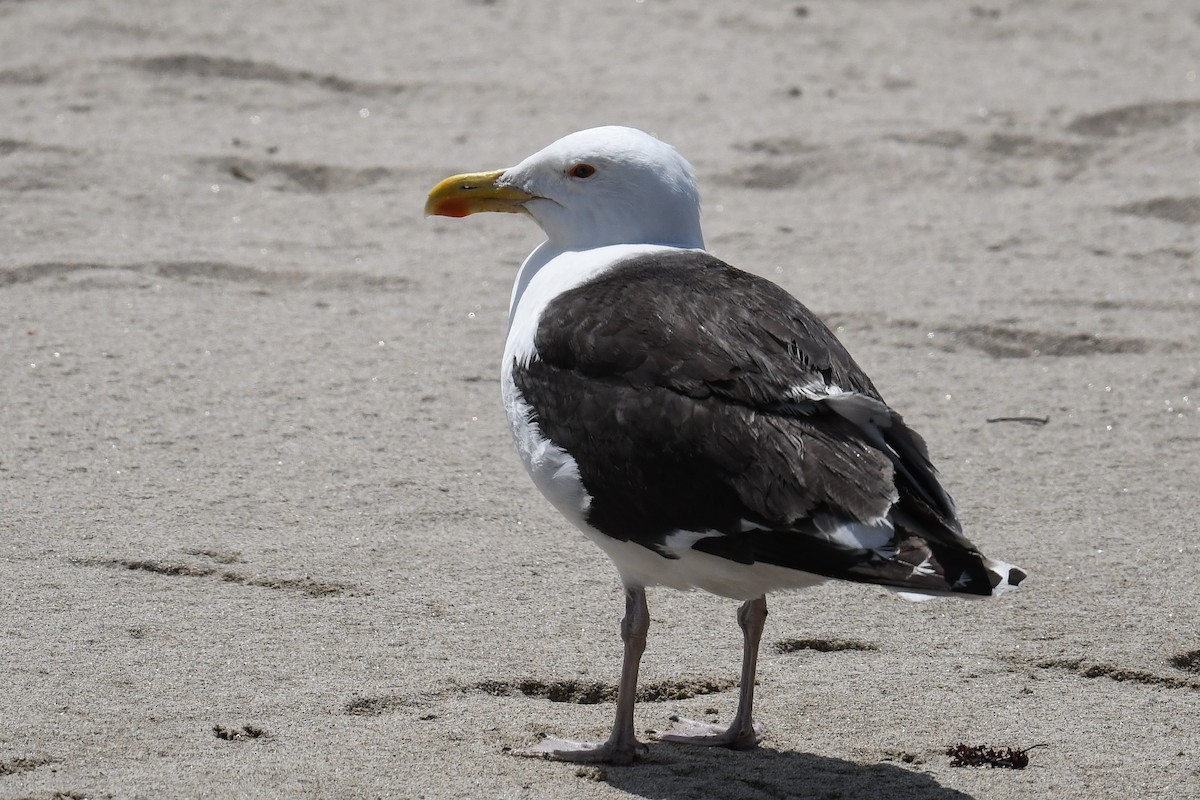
[{"x": 264, "y": 535}]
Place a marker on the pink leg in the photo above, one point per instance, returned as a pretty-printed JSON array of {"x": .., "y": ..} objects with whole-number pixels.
[
  {"x": 742, "y": 733},
  {"x": 622, "y": 746}
]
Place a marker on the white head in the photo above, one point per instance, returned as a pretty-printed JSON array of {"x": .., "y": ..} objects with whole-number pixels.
[{"x": 598, "y": 187}]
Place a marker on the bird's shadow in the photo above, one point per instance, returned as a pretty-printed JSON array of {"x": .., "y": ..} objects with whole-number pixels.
[{"x": 673, "y": 772}]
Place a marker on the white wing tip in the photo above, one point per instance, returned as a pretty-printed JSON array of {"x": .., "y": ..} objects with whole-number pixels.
[{"x": 1009, "y": 575}]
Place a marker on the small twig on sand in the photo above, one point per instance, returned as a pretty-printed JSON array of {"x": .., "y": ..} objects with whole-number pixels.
[{"x": 1037, "y": 422}]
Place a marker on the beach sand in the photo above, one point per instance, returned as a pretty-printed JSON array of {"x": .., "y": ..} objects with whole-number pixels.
[{"x": 263, "y": 531}]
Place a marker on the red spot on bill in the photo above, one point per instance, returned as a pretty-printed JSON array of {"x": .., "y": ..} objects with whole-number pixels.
[{"x": 452, "y": 207}]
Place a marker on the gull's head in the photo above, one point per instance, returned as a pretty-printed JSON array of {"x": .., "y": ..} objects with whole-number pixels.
[{"x": 598, "y": 187}]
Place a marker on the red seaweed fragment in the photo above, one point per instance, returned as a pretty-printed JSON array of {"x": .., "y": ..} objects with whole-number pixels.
[{"x": 963, "y": 755}]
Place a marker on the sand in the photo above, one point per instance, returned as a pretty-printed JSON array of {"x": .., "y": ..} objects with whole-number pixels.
[{"x": 263, "y": 532}]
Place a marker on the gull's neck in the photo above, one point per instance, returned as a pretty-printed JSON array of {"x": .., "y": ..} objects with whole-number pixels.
[
  {"x": 583, "y": 266},
  {"x": 547, "y": 251}
]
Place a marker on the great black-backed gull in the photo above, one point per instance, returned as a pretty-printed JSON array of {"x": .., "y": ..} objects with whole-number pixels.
[{"x": 697, "y": 422}]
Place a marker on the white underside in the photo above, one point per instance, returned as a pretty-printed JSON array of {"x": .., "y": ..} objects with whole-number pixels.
[{"x": 639, "y": 566}]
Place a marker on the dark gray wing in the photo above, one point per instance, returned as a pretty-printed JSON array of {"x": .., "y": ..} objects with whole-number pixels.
[{"x": 695, "y": 396}]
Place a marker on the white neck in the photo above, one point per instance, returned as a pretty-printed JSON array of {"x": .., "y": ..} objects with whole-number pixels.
[
  {"x": 541, "y": 254},
  {"x": 547, "y": 251},
  {"x": 548, "y": 272}
]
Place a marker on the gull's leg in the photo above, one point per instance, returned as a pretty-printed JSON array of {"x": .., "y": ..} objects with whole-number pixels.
[
  {"x": 742, "y": 733},
  {"x": 622, "y": 745}
]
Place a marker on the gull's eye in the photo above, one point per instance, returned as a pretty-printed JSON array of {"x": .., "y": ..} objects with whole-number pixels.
[{"x": 582, "y": 171}]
